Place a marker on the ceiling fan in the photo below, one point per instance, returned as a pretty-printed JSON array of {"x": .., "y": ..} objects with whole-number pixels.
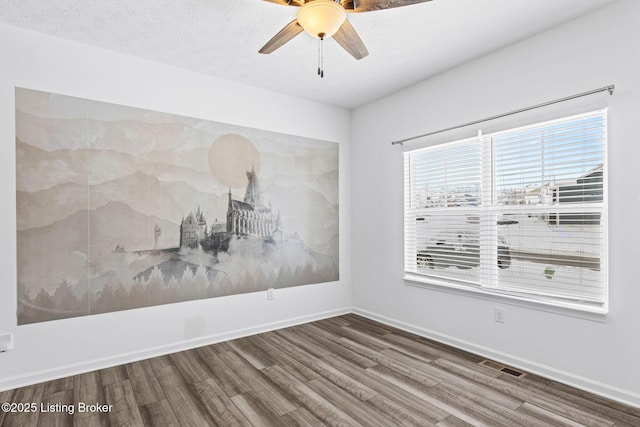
[{"x": 327, "y": 18}]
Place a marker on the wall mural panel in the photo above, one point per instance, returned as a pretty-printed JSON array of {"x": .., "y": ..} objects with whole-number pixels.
[{"x": 120, "y": 208}]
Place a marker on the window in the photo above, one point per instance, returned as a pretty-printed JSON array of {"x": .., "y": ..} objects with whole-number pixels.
[{"x": 519, "y": 213}]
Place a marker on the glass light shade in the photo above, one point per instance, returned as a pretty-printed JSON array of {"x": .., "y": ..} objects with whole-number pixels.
[{"x": 321, "y": 17}]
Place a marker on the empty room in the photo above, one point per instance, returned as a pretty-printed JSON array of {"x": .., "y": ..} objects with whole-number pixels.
[{"x": 319, "y": 212}]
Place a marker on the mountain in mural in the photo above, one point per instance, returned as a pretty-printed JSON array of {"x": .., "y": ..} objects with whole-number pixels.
[
  {"x": 46, "y": 169},
  {"x": 322, "y": 232},
  {"x": 57, "y": 252},
  {"x": 144, "y": 193}
]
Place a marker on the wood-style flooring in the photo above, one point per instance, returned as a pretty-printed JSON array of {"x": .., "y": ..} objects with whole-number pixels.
[{"x": 346, "y": 371}]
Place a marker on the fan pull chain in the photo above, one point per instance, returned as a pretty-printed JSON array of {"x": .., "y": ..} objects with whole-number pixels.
[{"x": 321, "y": 55}]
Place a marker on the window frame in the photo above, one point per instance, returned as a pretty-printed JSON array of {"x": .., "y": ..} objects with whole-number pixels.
[{"x": 488, "y": 290}]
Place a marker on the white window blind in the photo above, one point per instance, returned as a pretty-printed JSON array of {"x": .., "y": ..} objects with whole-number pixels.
[{"x": 520, "y": 212}]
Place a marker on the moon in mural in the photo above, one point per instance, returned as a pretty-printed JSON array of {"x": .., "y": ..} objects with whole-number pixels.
[{"x": 230, "y": 157}]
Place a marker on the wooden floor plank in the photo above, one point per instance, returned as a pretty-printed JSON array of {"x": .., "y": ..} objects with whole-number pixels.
[
  {"x": 346, "y": 370},
  {"x": 347, "y": 332},
  {"x": 331, "y": 343},
  {"x": 157, "y": 363},
  {"x": 26, "y": 417},
  {"x": 252, "y": 353},
  {"x": 307, "y": 398},
  {"x": 144, "y": 383},
  {"x": 158, "y": 413},
  {"x": 92, "y": 420},
  {"x": 401, "y": 397},
  {"x": 336, "y": 321},
  {"x": 369, "y": 326},
  {"x": 365, "y": 415},
  {"x": 303, "y": 341},
  {"x": 87, "y": 388},
  {"x": 260, "y": 384},
  {"x": 430, "y": 350},
  {"x": 123, "y": 405},
  {"x": 437, "y": 408},
  {"x": 401, "y": 415},
  {"x": 301, "y": 418},
  {"x": 396, "y": 362},
  {"x": 344, "y": 381},
  {"x": 435, "y": 345},
  {"x": 547, "y": 417},
  {"x": 452, "y": 421},
  {"x": 113, "y": 375},
  {"x": 218, "y": 404},
  {"x": 57, "y": 409},
  {"x": 231, "y": 383},
  {"x": 221, "y": 347},
  {"x": 287, "y": 355},
  {"x": 5, "y": 397},
  {"x": 498, "y": 414},
  {"x": 55, "y": 386},
  {"x": 322, "y": 369},
  {"x": 255, "y": 410},
  {"x": 185, "y": 405},
  {"x": 480, "y": 388},
  {"x": 414, "y": 346},
  {"x": 190, "y": 366}
]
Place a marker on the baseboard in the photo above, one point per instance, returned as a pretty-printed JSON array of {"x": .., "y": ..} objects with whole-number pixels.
[
  {"x": 97, "y": 364},
  {"x": 607, "y": 391}
]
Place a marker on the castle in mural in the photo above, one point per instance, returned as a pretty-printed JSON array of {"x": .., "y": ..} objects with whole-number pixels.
[{"x": 246, "y": 218}]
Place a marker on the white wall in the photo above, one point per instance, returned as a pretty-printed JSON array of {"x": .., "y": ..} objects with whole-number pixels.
[
  {"x": 54, "y": 349},
  {"x": 590, "y": 52}
]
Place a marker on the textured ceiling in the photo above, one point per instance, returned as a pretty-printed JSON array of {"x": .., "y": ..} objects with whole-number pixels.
[{"x": 222, "y": 38}]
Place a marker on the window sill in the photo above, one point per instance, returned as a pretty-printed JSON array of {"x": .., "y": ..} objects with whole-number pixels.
[{"x": 596, "y": 314}]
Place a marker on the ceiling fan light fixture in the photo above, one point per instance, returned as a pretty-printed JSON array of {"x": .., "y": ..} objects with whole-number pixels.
[{"x": 321, "y": 18}]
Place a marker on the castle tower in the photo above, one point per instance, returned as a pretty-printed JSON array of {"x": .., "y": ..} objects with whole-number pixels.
[
  {"x": 250, "y": 218},
  {"x": 252, "y": 195},
  {"x": 189, "y": 232}
]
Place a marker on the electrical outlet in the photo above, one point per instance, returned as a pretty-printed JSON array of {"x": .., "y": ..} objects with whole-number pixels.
[
  {"x": 6, "y": 342},
  {"x": 271, "y": 294},
  {"x": 499, "y": 315}
]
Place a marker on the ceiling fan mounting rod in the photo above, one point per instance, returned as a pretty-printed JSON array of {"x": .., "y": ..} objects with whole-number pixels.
[{"x": 321, "y": 55}]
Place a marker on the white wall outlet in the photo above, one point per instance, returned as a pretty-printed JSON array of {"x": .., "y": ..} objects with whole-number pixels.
[
  {"x": 6, "y": 342},
  {"x": 499, "y": 315},
  {"x": 271, "y": 294}
]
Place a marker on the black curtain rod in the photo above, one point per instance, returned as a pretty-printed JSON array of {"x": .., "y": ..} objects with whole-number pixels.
[{"x": 609, "y": 88}]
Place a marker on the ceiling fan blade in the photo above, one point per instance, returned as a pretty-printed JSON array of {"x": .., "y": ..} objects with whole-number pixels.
[
  {"x": 370, "y": 5},
  {"x": 291, "y": 30},
  {"x": 287, "y": 2},
  {"x": 347, "y": 37}
]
